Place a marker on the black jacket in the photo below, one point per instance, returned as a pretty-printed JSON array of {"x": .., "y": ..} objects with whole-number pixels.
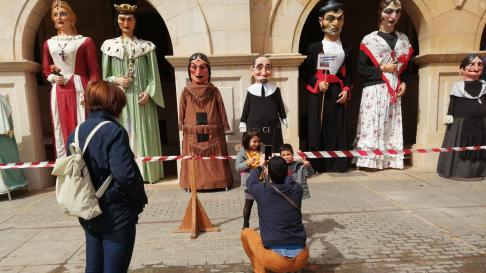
[
  {"x": 109, "y": 153},
  {"x": 310, "y": 65},
  {"x": 280, "y": 222}
]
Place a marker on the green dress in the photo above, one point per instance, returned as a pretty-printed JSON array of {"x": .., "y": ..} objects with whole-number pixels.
[
  {"x": 140, "y": 121},
  {"x": 13, "y": 178}
]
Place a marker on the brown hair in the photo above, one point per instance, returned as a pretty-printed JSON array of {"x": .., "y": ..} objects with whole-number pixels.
[
  {"x": 105, "y": 96},
  {"x": 247, "y": 136},
  {"x": 69, "y": 10}
]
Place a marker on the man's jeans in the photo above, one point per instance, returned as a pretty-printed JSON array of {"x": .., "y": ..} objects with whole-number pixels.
[
  {"x": 110, "y": 253},
  {"x": 262, "y": 258}
]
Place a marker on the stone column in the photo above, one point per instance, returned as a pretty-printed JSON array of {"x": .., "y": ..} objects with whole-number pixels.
[
  {"x": 18, "y": 82},
  {"x": 437, "y": 73}
]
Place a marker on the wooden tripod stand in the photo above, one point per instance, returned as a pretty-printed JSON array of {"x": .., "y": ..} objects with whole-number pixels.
[{"x": 195, "y": 219}]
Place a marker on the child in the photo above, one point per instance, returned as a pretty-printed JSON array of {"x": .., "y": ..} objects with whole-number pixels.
[
  {"x": 264, "y": 110},
  {"x": 248, "y": 158},
  {"x": 300, "y": 170}
]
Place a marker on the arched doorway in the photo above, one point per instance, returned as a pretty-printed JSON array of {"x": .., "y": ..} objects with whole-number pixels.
[
  {"x": 97, "y": 19},
  {"x": 357, "y": 24}
]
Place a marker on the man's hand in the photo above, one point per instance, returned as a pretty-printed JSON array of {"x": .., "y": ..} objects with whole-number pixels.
[
  {"x": 323, "y": 86},
  {"x": 123, "y": 81},
  {"x": 143, "y": 98},
  {"x": 342, "y": 97},
  {"x": 401, "y": 89}
]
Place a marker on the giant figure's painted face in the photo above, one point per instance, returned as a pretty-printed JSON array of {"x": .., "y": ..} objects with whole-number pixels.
[
  {"x": 199, "y": 71},
  {"x": 473, "y": 70},
  {"x": 63, "y": 19},
  {"x": 262, "y": 70},
  {"x": 332, "y": 22},
  {"x": 127, "y": 23},
  {"x": 391, "y": 14}
]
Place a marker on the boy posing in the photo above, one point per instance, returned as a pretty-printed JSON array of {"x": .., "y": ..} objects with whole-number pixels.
[{"x": 300, "y": 170}]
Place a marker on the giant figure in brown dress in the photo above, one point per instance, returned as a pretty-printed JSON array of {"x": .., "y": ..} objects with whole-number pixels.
[{"x": 203, "y": 121}]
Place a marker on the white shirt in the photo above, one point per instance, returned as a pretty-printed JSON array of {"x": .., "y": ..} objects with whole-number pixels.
[{"x": 334, "y": 48}]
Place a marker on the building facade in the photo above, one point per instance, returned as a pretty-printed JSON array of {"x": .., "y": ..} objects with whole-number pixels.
[{"x": 232, "y": 33}]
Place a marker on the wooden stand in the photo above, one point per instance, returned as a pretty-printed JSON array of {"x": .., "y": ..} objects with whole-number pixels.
[{"x": 195, "y": 219}]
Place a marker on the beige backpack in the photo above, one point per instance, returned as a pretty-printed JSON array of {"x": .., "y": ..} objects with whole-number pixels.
[{"x": 74, "y": 189}]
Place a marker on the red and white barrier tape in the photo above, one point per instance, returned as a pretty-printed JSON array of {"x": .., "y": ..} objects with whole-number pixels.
[{"x": 316, "y": 154}]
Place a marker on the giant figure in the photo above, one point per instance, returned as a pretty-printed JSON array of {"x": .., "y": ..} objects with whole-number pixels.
[
  {"x": 131, "y": 63},
  {"x": 69, "y": 63}
]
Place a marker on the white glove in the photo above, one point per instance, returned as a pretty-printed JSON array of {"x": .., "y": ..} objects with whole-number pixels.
[
  {"x": 449, "y": 119},
  {"x": 284, "y": 122},
  {"x": 242, "y": 127}
]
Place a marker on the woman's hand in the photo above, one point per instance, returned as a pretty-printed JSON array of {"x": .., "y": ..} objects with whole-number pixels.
[{"x": 401, "y": 89}]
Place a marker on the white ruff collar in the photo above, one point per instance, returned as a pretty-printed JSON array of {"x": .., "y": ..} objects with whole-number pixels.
[
  {"x": 114, "y": 47},
  {"x": 459, "y": 91},
  {"x": 256, "y": 89}
]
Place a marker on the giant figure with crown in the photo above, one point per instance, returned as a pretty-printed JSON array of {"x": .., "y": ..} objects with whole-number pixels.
[{"x": 131, "y": 63}]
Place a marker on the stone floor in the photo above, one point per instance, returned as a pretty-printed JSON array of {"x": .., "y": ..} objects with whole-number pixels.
[{"x": 404, "y": 221}]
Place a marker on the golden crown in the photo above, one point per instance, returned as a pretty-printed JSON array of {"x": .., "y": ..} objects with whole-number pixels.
[
  {"x": 56, "y": 3},
  {"x": 125, "y": 8}
]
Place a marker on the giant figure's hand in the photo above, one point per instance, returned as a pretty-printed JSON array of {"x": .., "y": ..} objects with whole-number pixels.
[
  {"x": 323, "y": 86},
  {"x": 123, "y": 81},
  {"x": 58, "y": 79},
  {"x": 143, "y": 98},
  {"x": 342, "y": 97},
  {"x": 390, "y": 67},
  {"x": 401, "y": 89}
]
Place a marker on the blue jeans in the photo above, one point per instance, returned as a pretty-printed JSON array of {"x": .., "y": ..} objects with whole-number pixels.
[{"x": 110, "y": 253}]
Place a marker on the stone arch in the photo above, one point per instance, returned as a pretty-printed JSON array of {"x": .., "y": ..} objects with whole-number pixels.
[
  {"x": 181, "y": 30},
  {"x": 290, "y": 16},
  {"x": 479, "y": 37}
]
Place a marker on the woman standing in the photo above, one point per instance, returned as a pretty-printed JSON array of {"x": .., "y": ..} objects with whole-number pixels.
[
  {"x": 466, "y": 123},
  {"x": 69, "y": 64},
  {"x": 110, "y": 237},
  {"x": 384, "y": 55}
]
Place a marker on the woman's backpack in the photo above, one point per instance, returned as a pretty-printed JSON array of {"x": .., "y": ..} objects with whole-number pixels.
[{"x": 74, "y": 189}]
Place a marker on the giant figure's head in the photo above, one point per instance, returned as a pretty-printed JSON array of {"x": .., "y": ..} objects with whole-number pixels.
[
  {"x": 331, "y": 18},
  {"x": 126, "y": 18},
  {"x": 199, "y": 69},
  {"x": 471, "y": 67},
  {"x": 389, "y": 12},
  {"x": 262, "y": 69},
  {"x": 63, "y": 17}
]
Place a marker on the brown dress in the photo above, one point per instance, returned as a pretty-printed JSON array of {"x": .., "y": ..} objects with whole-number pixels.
[{"x": 203, "y": 121}]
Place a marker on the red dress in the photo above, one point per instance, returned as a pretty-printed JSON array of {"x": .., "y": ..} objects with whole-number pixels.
[{"x": 76, "y": 58}]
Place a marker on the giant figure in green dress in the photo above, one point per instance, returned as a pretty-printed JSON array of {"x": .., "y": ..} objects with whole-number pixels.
[
  {"x": 9, "y": 179},
  {"x": 131, "y": 63}
]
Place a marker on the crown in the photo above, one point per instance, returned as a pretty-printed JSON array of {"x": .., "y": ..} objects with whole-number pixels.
[
  {"x": 56, "y": 3},
  {"x": 125, "y": 8}
]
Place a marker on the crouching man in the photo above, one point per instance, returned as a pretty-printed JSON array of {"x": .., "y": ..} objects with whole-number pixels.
[{"x": 281, "y": 247}]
